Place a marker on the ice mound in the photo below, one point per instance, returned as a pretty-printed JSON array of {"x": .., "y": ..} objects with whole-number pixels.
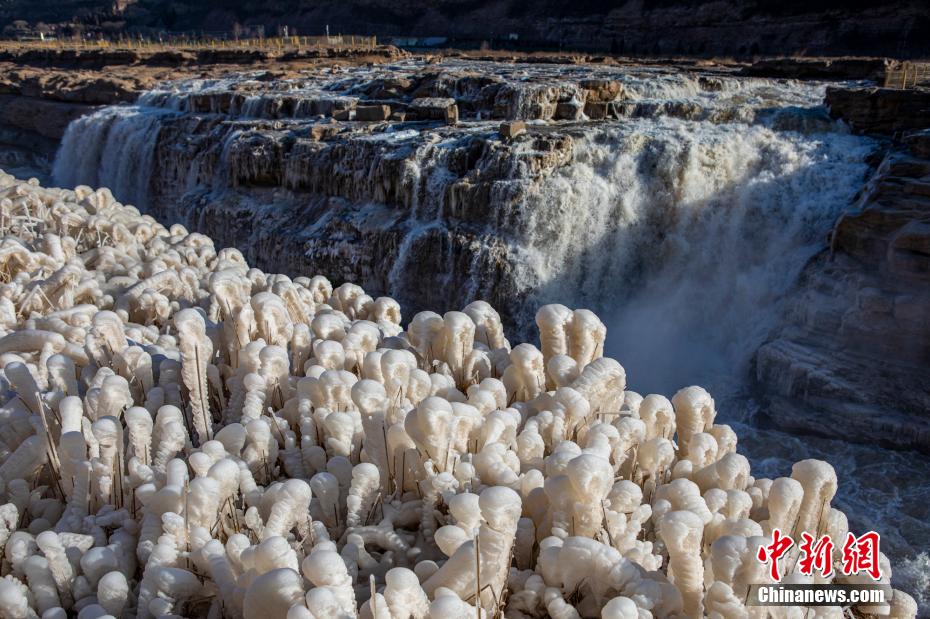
[{"x": 181, "y": 435}]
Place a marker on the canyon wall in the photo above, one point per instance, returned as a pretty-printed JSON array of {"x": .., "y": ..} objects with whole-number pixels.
[
  {"x": 852, "y": 357},
  {"x": 676, "y": 204},
  {"x": 43, "y": 89},
  {"x": 37, "y": 105}
]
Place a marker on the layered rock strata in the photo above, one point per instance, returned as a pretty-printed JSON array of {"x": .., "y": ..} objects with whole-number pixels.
[
  {"x": 883, "y": 111},
  {"x": 399, "y": 178},
  {"x": 43, "y": 89},
  {"x": 852, "y": 358}
]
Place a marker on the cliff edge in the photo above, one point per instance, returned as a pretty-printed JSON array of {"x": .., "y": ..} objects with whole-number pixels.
[{"x": 853, "y": 357}]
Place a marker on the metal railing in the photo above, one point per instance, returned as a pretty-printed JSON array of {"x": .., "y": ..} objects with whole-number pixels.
[{"x": 181, "y": 42}]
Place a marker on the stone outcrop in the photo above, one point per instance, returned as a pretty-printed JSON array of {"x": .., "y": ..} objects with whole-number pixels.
[
  {"x": 91, "y": 88},
  {"x": 371, "y": 113},
  {"x": 872, "y": 69},
  {"x": 43, "y": 117},
  {"x": 882, "y": 111},
  {"x": 286, "y": 168},
  {"x": 36, "y": 106},
  {"x": 97, "y": 58},
  {"x": 851, "y": 359},
  {"x": 345, "y": 204},
  {"x": 512, "y": 128},
  {"x": 43, "y": 89}
]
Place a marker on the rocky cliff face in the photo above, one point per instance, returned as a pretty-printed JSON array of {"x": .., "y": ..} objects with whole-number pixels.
[
  {"x": 637, "y": 191},
  {"x": 881, "y": 111},
  {"x": 43, "y": 89},
  {"x": 853, "y": 355},
  {"x": 36, "y": 106}
]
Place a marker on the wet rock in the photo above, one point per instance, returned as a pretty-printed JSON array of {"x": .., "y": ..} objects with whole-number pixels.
[
  {"x": 880, "y": 110},
  {"x": 452, "y": 115},
  {"x": 601, "y": 90},
  {"x": 851, "y": 358},
  {"x": 569, "y": 110},
  {"x": 372, "y": 113},
  {"x": 433, "y": 108},
  {"x": 710, "y": 84},
  {"x": 919, "y": 143},
  {"x": 389, "y": 88},
  {"x": 324, "y": 131},
  {"x": 596, "y": 111},
  {"x": 512, "y": 128},
  {"x": 910, "y": 250},
  {"x": 218, "y": 103}
]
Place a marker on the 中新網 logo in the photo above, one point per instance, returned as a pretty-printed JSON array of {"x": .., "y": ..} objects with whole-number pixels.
[{"x": 859, "y": 554}]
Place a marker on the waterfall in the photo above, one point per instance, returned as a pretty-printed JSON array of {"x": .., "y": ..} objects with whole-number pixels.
[
  {"x": 684, "y": 225},
  {"x": 112, "y": 147},
  {"x": 686, "y": 236}
]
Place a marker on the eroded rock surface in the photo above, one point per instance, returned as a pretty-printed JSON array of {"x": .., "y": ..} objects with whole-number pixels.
[
  {"x": 43, "y": 89},
  {"x": 853, "y": 357},
  {"x": 398, "y": 176},
  {"x": 881, "y": 110}
]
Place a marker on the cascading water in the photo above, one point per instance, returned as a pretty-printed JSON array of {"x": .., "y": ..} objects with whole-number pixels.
[
  {"x": 686, "y": 235},
  {"x": 685, "y": 232},
  {"x": 112, "y": 147},
  {"x": 684, "y": 225}
]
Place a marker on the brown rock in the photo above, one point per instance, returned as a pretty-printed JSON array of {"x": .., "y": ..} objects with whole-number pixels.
[
  {"x": 710, "y": 84},
  {"x": 852, "y": 355},
  {"x": 46, "y": 118},
  {"x": 434, "y": 108},
  {"x": 820, "y": 68},
  {"x": 601, "y": 90},
  {"x": 568, "y": 111},
  {"x": 389, "y": 88},
  {"x": 372, "y": 113},
  {"x": 875, "y": 301},
  {"x": 880, "y": 110},
  {"x": 919, "y": 143},
  {"x": 324, "y": 131},
  {"x": 595, "y": 111},
  {"x": 452, "y": 115},
  {"x": 910, "y": 250},
  {"x": 512, "y": 128}
]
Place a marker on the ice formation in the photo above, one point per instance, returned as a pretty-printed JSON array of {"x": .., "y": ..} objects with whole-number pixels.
[{"x": 181, "y": 435}]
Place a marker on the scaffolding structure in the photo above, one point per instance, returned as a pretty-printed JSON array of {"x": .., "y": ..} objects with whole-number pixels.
[{"x": 908, "y": 75}]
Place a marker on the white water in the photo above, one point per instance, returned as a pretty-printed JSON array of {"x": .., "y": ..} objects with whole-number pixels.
[
  {"x": 685, "y": 235},
  {"x": 111, "y": 148}
]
